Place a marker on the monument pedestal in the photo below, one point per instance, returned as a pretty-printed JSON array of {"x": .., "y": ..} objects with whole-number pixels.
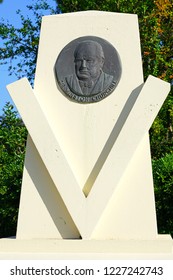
[{"x": 37, "y": 249}]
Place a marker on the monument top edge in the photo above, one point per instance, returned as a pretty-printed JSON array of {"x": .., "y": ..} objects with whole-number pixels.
[{"x": 90, "y": 13}]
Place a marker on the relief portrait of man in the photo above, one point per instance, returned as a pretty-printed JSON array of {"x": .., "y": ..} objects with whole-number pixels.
[
  {"x": 89, "y": 77},
  {"x": 84, "y": 73}
]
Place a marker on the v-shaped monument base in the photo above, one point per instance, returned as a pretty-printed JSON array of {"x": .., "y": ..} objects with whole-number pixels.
[{"x": 120, "y": 203}]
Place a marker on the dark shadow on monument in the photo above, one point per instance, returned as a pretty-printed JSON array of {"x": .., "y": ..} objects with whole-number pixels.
[{"x": 112, "y": 139}]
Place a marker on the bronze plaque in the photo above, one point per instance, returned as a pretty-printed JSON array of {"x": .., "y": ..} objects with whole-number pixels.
[{"x": 88, "y": 69}]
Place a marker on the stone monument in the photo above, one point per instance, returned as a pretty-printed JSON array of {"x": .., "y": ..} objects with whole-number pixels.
[{"x": 87, "y": 184}]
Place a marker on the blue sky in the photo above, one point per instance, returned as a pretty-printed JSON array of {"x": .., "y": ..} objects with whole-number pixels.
[{"x": 8, "y": 12}]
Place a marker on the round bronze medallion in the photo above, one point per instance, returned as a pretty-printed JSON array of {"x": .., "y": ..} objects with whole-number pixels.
[{"x": 88, "y": 69}]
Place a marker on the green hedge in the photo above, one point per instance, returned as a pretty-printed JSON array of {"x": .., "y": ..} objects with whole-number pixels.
[{"x": 163, "y": 182}]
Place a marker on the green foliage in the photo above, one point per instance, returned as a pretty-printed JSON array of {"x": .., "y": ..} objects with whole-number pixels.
[
  {"x": 12, "y": 148},
  {"x": 20, "y": 44},
  {"x": 161, "y": 132},
  {"x": 163, "y": 178},
  {"x": 123, "y": 6}
]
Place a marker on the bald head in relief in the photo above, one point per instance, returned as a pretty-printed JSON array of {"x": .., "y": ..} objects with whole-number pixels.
[{"x": 84, "y": 73}]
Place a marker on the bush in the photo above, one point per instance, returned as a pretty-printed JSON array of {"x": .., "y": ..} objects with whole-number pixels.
[
  {"x": 12, "y": 149},
  {"x": 163, "y": 182}
]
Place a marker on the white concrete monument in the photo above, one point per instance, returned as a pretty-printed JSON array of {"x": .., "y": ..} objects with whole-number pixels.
[{"x": 87, "y": 175}]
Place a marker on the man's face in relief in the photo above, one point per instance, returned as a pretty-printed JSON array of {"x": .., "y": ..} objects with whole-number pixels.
[{"x": 88, "y": 61}]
